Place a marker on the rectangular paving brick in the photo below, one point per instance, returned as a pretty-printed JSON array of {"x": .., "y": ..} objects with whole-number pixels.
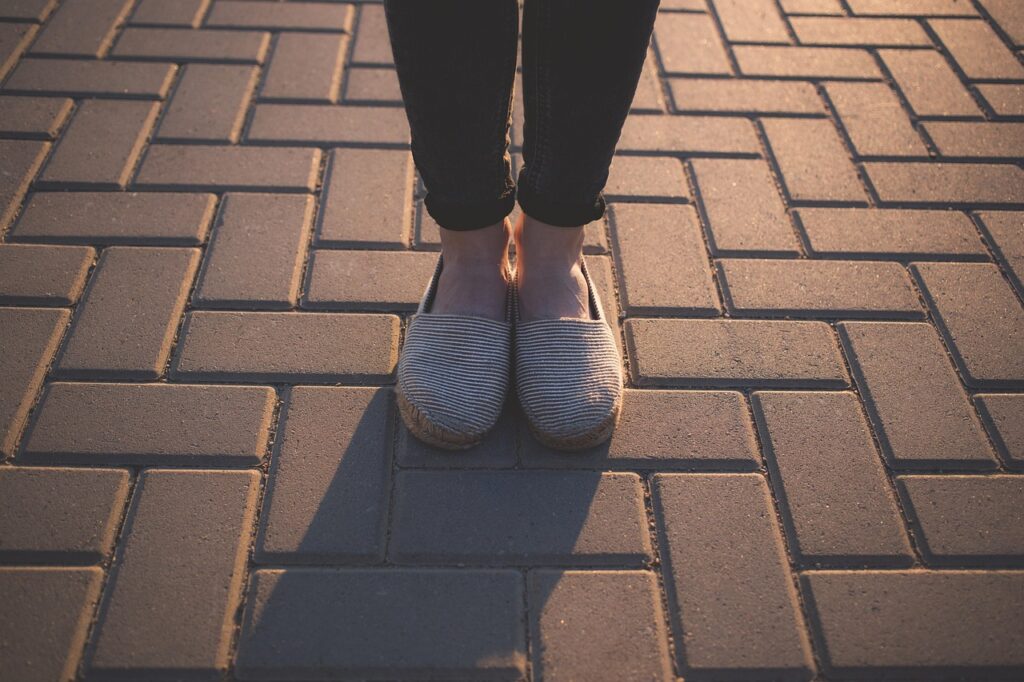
[
  {"x": 375, "y": 85},
  {"x": 989, "y": 139},
  {"x": 648, "y": 97},
  {"x": 619, "y": 610},
  {"x": 22, "y": 159},
  {"x": 703, "y": 135},
  {"x": 294, "y": 16},
  {"x": 519, "y": 518},
  {"x": 668, "y": 352},
  {"x": 745, "y": 95},
  {"x": 817, "y": 288},
  {"x": 833, "y": 490},
  {"x": 43, "y": 275},
  {"x": 338, "y": 281},
  {"x": 372, "y": 45},
  {"x": 920, "y": 413},
  {"x": 742, "y": 206},
  {"x": 60, "y": 515},
  {"x": 183, "y": 13},
  {"x": 977, "y": 49},
  {"x": 38, "y": 118},
  {"x": 928, "y": 83},
  {"x": 814, "y": 164},
  {"x": 305, "y": 68},
  {"x": 873, "y": 118},
  {"x": 329, "y": 484},
  {"x": 255, "y": 255},
  {"x": 912, "y": 7},
  {"x": 47, "y": 612},
  {"x": 879, "y": 233},
  {"x": 174, "y": 618},
  {"x": 811, "y": 7},
  {"x": 912, "y": 183},
  {"x": 981, "y": 319},
  {"x": 1005, "y": 233},
  {"x": 751, "y": 21},
  {"x": 689, "y": 44},
  {"x": 14, "y": 39},
  {"x": 367, "y": 199},
  {"x": 209, "y": 104},
  {"x": 646, "y": 178},
  {"x": 185, "y": 167},
  {"x": 126, "y": 323},
  {"x": 1004, "y": 417},
  {"x": 1004, "y": 99},
  {"x": 29, "y": 338},
  {"x": 81, "y": 28},
  {"x": 87, "y": 423},
  {"x": 859, "y": 31},
  {"x": 191, "y": 45},
  {"x": 656, "y": 280},
  {"x": 1010, "y": 17},
  {"x": 291, "y": 347},
  {"x": 28, "y": 10},
  {"x": 91, "y": 78},
  {"x": 733, "y": 603},
  {"x": 805, "y": 62},
  {"x": 342, "y": 623},
  {"x": 101, "y": 146},
  {"x": 962, "y": 621},
  {"x": 329, "y": 124}
]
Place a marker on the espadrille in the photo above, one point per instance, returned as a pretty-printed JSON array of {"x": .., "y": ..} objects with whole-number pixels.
[
  {"x": 568, "y": 375},
  {"x": 453, "y": 372}
]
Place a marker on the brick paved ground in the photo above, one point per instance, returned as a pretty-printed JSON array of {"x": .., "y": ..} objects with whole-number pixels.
[{"x": 212, "y": 237}]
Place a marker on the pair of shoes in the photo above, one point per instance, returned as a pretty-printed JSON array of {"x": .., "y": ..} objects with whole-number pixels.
[{"x": 453, "y": 373}]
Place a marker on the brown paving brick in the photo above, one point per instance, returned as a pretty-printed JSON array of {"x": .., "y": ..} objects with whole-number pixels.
[
  {"x": 977, "y": 49},
  {"x": 292, "y": 347},
  {"x": 1005, "y": 99},
  {"x": 22, "y": 158},
  {"x": 946, "y": 184},
  {"x": 87, "y": 78},
  {"x": 60, "y": 515},
  {"x": 745, "y": 95},
  {"x": 656, "y": 280},
  {"x": 81, "y": 28},
  {"x": 811, "y": 6},
  {"x": 734, "y": 353},
  {"x": 688, "y": 43},
  {"x": 14, "y": 38},
  {"x": 312, "y": 16},
  {"x": 742, "y": 206},
  {"x": 1005, "y": 230},
  {"x": 373, "y": 86},
  {"x": 921, "y": 416},
  {"x": 342, "y": 623},
  {"x": 930, "y": 86},
  {"x": 621, "y": 614},
  {"x": 1010, "y": 17},
  {"x": 812, "y": 160},
  {"x": 496, "y": 451},
  {"x": 956, "y": 138},
  {"x": 183, "y": 13},
  {"x": 968, "y": 518},
  {"x": 805, "y": 62},
  {"x": 981, "y": 319},
  {"x": 920, "y": 624},
  {"x": 912, "y": 7},
  {"x": 688, "y": 134},
  {"x": 367, "y": 199},
  {"x": 338, "y": 279},
  {"x": 874, "y": 120},
  {"x": 33, "y": 117},
  {"x": 126, "y": 322},
  {"x": 640, "y": 178},
  {"x": 665, "y": 430},
  {"x": 255, "y": 255},
  {"x": 329, "y": 124},
  {"x": 46, "y": 618},
  {"x": 733, "y": 603},
  {"x": 43, "y": 275},
  {"x": 186, "y": 44},
  {"x": 101, "y": 146},
  {"x": 116, "y": 218},
  {"x": 751, "y": 21},
  {"x": 372, "y": 45},
  {"x": 29, "y": 337},
  {"x": 305, "y": 67},
  {"x": 172, "y": 618},
  {"x": 209, "y": 104},
  {"x": 817, "y": 288},
  {"x": 648, "y": 97},
  {"x": 281, "y": 169},
  {"x": 327, "y": 495},
  {"x": 31, "y": 10},
  {"x": 519, "y": 518},
  {"x": 1004, "y": 417},
  {"x": 832, "y": 486},
  {"x": 858, "y": 31},
  {"x": 890, "y": 233},
  {"x": 175, "y": 424}
]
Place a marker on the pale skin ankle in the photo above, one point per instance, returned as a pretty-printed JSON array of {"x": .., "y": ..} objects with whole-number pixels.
[
  {"x": 551, "y": 282},
  {"x": 473, "y": 280}
]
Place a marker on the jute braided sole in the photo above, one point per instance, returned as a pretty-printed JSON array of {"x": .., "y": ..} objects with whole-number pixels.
[
  {"x": 429, "y": 432},
  {"x": 597, "y": 435}
]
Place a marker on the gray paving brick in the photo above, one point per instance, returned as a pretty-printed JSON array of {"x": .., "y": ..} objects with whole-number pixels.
[
  {"x": 812, "y": 160},
  {"x": 753, "y": 220},
  {"x": 46, "y": 619},
  {"x": 338, "y": 279},
  {"x": 733, "y": 353},
  {"x": 181, "y": 13},
  {"x": 756, "y": 21},
  {"x": 31, "y": 10},
  {"x": 209, "y": 104},
  {"x": 329, "y": 125},
  {"x": 874, "y": 120},
  {"x": 911, "y": 7},
  {"x": 732, "y": 600},
  {"x": 372, "y": 45},
  {"x": 188, "y": 45},
  {"x": 372, "y": 86},
  {"x": 60, "y": 515},
  {"x": 14, "y": 39},
  {"x": 519, "y": 518},
  {"x": 291, "y": 347},
  {"x": 88, "y": 78},
  {"x": 294, "y": 16},
  {"x": 329, "y": 484},
  {"x": 832, "y": 487},
  {"x": 962, "y": 620},
  {"x": 859, "y": 31},
  {"x": 100, "y": 147},
  {"x": 988, "y": 139},
  {"x": 210, "y": 167},
  {"x": 175, "y": 618},
  {"x": 29, "y": 338},
  {"x": 689, "y": 44},
  {"x": 930, "y": 86},
  {"x": 1005, "y": 99},
  {"x": 1004, "y": 417},
  {"x": 81, "y": 28},
  {"x": 817, "y": 288},
  {"x": 367, "y": 199},
  {"x": 978, "y": 51},
  {"x": 43, "y": 275},
  {"x": 465, "y": 624},
  {"x": 256, "y": 253},
  {"x": 126, "y": 323},
  {"x": 33, "y": 117},
  {"x": 22, "y": 158},
  {"x": 981, "y": 319},
  {"x": 644, "y": 178},
  {"x": 497, "y": 450},
  {"x": 305, "y": 67},
  {"x": 704, "y": 135},
  {"x": 921, "y": 416},
  {"x": 1005, "y": 231},
  {"x": 174, "y": 424},
  {"x": 619, "y": 610},
  {"x": 805, "y": 62},
  {"x": 1008, "y": 14},
  {"x": 912, "y": 183},
  {"x": 745, "y": 95}
]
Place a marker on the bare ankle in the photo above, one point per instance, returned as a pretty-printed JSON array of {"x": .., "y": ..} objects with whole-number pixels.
[{"x": 472, "y": 249}]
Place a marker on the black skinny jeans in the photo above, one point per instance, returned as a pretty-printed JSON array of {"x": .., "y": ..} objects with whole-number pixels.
[{"x": 456, "y": 63}]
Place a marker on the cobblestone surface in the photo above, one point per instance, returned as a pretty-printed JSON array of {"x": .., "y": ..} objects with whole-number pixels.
[{"x": 813, "y": 262}]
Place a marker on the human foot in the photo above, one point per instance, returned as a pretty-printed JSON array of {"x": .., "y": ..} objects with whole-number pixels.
[
  {"x": 473, "y": 279},
  {"x": 550, "y": 282}
]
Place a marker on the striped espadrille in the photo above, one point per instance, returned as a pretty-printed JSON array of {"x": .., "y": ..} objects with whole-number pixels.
[
  {"x": 453, "y": 372},
  {"x": 568, "y": 375}
]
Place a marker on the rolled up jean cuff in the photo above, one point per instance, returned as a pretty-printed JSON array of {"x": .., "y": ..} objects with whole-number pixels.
[
  {"x": 562, "y": 213},
  {"x": 463, "y": 217}
]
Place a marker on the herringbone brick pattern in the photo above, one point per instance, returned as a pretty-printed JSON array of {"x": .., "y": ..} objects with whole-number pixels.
[{"x": 212, "y": 235}]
